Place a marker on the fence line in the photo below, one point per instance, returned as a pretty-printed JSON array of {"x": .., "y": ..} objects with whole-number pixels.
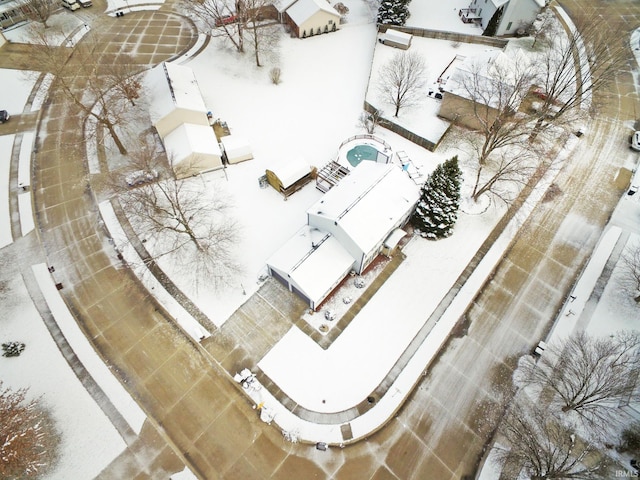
[{"x": 451, "y": 36}]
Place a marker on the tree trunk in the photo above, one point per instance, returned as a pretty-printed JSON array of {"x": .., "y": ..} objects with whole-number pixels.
[{"x": 112, "y": 131}]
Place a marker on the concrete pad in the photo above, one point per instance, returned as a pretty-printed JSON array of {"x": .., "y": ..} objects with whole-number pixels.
[
  {"x": 356, "y": 468},
  {"x": 513, "y": 277},
  {"x": 244, "y": 470},
  {"x": 297, "y": 467},
  {"x": 233, "y": 433},
  {"x": 432, "y": 467},
  {"x": 405, "y": 455},
  {"x": 266, "y": 453},
  {"x": 383, "y": 473}
]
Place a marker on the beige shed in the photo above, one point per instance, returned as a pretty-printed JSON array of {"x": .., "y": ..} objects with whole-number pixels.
[
  {"x": 193, "y": 149},
  {"x": 175, "y": 98}
]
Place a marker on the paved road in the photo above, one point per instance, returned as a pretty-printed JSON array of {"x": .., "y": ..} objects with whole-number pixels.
[{"x": 200, "y": 417}]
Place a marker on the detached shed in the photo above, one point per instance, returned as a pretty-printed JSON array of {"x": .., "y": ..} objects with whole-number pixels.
[
  {"x": 175, "y": 98},
  {"x": 290, "y": 177},
  {"x": 193, "y": 149},
  {"x": 237, "y": 149},
  {"x": 396, "y": 38}
]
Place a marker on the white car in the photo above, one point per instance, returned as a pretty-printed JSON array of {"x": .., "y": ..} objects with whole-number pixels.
[
  {"x": 635, "y": 141},
  {"x": 141, "y": 176}
]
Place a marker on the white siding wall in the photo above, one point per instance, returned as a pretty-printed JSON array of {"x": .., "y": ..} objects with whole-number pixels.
[{"x": 319, "y": 20}]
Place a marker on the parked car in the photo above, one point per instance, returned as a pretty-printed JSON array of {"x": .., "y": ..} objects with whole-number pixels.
[
  {"x": 226, "y": 20},
  {"x": 635, "y": 141},
  {"x": 84, "y": 3},
  {"x": 140, "y": 177},
  {"x": 70, "y": 4},
  {"x": 4, "y": 116}
]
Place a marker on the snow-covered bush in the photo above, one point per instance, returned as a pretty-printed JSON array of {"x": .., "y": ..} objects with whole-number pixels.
[{"x": 12, "y": 349}]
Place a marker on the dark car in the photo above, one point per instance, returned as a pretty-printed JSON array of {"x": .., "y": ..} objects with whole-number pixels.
[{"x": 4, "y": 116}]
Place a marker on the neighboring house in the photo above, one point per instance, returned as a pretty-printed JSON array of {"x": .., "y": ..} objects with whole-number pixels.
[
  {"x": 310, "y": 17},
  {"x": 179, "y": 115},
  {"x": 11, "y": 13},
  {"x": 175, "y": 98},
  {"x": 513, "y": 15},
  {"x": 346, "y": 230},
  {"x": 192, "y": 149},
  {"x": 461, "y": 91}
]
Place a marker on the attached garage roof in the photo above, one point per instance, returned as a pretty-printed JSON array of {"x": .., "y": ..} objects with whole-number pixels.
[{"x": 313, "y": 261}]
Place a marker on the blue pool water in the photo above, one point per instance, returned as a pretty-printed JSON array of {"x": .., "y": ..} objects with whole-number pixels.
[{"x": 361, "y": 152}]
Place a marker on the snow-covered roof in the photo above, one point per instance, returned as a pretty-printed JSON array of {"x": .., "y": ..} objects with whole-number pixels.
[
  {"x": 313, "y": 260},
  {"x": 368, "y": 202},
  {"x": 290, "y": 172},
  {"x": 301, "y": 10},
  {"x": 235, "y": 146},
  {"x": 173, "y": 86},
  {"x": 188, "y": 139},
  {"x": 397, "y": 36},
  {"x": 489, "y": 66}
]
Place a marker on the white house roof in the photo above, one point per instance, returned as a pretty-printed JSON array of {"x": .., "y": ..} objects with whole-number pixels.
[
  {"x": 190, "y": 139},
  {"x": 291, "y": 172},
  {"x": 397, "y": 36},
  {"x": 368, "y": 202},
  {"x": 302, "y": 10},
  {"x": 173, "y": 86},
  {"x": 489, "y": 66},
  {"x": 313, "y": 260},
  {"x": 235, "y": 146}
]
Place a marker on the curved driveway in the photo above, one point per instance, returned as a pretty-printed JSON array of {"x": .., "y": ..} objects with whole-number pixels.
[{"x": 198, "y": 415}]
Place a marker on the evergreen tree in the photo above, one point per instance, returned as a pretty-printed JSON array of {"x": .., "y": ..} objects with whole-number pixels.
[
  {"x": 393, "y": 12},
  {"x": 437, "y": 209}
]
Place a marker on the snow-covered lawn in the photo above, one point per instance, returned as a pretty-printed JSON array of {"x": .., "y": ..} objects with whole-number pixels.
[
  {"x": 16, "y": 88},
  {"x": 59, "y": 28},
  {"x": 88, "y": 441},
  {"x": 422, "y": 118},
  {"x": 441, "y": 15}
]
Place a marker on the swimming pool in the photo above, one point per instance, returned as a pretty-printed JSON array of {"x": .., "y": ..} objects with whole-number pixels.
[{"x": 362, "y": 152}]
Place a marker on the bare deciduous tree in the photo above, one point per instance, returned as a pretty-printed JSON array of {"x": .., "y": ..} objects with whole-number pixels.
[
  {"x": 221, "y": 18},
  {"x": 631, "y": 271},
  {"x": 93, "y": 87},
  {"x": 495, "y": 89},
  {"x": 28, "y": 439},
  {"x": 508, "y": 168},
  {"x": 573, "y": 68},
  {"x": 369, "y": 121},
  {"x": 237, "y": 20},
  {"x": 401, "y": 80},
  {"x": 542, "y": 447},
  {"x": 124, "y": 77},
  {"x": 181, "y": 220},
  {"x": 591, "y": 376},
  {"x": 39, "y": 10}
]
